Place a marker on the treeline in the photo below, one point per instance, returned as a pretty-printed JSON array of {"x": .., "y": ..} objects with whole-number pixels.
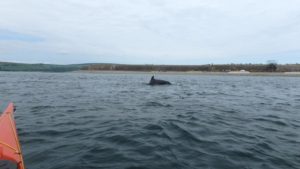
[
  {"x": 4, "y": 66},
  {"x": 272, "y": 67}
]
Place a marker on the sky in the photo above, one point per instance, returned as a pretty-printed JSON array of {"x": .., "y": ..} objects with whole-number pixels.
[{"x": 150, "y": 31}]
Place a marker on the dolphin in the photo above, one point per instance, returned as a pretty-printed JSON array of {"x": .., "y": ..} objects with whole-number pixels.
[{"x": 158, "y": 82}]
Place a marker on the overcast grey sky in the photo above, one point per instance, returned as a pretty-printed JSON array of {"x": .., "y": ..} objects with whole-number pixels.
[{"x": 150, "y": 31}]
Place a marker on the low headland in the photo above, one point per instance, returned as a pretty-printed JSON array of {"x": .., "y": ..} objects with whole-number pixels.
[{"x": 240, "y": 69}]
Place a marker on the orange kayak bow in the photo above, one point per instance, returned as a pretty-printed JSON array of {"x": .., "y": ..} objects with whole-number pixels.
[{"x": 10, "y": 149}]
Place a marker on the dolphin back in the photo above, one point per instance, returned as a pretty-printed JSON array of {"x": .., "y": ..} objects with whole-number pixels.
[{"x": 158, "y": 82}]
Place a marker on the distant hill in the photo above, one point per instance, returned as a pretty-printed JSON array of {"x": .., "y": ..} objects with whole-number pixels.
[{"x": 7, "y": 66}]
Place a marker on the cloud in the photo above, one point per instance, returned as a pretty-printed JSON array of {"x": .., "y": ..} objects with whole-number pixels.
[
  {"x": 6, "y": 35},
  {"x": 149, "y": 31}
]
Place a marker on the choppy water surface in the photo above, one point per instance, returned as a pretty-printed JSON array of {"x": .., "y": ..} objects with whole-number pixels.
[{"x": 116, "y": 121}]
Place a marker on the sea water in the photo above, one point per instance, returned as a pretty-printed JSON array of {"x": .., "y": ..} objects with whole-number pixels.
[{"x": 117, "y": 121}]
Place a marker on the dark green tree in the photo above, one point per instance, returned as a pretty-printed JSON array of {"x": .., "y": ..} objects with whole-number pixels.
[{"x": 271, "y": 66}]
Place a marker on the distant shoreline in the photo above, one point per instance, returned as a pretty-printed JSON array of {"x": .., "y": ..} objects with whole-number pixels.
[
  {"x": 270, "y": 69},
  {"x": 191, "y": 73}
]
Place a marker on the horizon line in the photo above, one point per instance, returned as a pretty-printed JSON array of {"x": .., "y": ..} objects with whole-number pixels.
[{"x": 86, "y": 63}]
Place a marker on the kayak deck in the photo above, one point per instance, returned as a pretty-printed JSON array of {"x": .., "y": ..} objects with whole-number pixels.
[{"x": 10, "y": 149}]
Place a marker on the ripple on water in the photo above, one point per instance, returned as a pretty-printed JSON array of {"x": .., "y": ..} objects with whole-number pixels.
[
  {"x": 271, "y": 121},
  {"x": 157, "y": 104}
]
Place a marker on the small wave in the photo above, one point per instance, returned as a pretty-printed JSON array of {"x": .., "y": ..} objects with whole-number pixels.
[
  {"x": 122, "y": 140},
  {"x": 239, "y": 134},
  {"x": 36, "y": 141},
  {"x": 153, "y": 127},
  {"x": 272, "y": 116},
  {"x": 265, "y": 128},
  {"x": 57, "y": 133},
  {"x": 178, "y": 133},
  {"x": 276, "y": 122},
  {"x": 157, "y": 104},
  {"x": 231, "y": 111},
  {"x": 243, "y": 155},
  {"x": 265, "y": 146},
  {"x": 38, "y": 108},
  {"x": 137, "y": 167}
]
